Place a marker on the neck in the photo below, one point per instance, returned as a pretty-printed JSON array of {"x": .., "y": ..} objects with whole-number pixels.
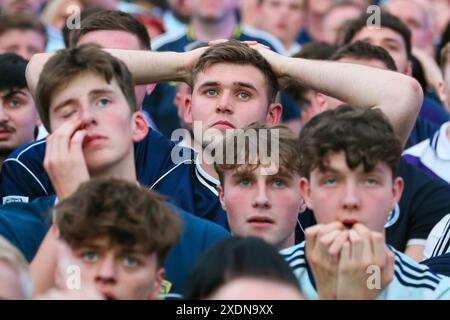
[
  {"x": 209, "y": 30},
  {"x": 209, "y": 168}
]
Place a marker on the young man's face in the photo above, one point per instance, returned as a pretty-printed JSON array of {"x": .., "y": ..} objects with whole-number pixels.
[
  {"x": 25, "y": 43},
  {"x": 413, "y": 15},
  {"x": 351, "y": 196},
  {"x": 334, "y": 21},
  {"x": 283, "y": 18},
  {"x": 391, "y": 41},
  {"x": 104, "y": 113},
  {"x": 22, "y": 6},
  {"x": 227, "y": 96},
  {"x": 18, "y": 119},
  {"x": 116, "y": 39},
  {"x": 264, "y": 206},
  {"x": 119, "y": 273}
]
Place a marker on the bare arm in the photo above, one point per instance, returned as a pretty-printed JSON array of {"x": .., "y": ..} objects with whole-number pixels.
[
  {"x": 397, "y": 95},
  {"x": 146, "y": 66}
]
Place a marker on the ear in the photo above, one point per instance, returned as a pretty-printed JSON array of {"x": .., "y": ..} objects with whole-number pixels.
[
  {"x": 397, "y": 190},
  {"x": 443, "y": 94},
  {"x": 305, "y": 191},
  {"x": 409, "y": 69},
  {"x": 139, "y": 127},
  {"x": 220, "y": 190},
  {"x": 159, "y": 278},
  {"x": 274, "y": 114},
  {"x": 321, "y": 101},
  {"x": 188, "y": 109}
]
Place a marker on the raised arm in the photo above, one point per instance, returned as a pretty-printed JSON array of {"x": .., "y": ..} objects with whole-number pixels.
[
  {"x": 146, "y": 66},
  {"x": 397, "y": 95}
]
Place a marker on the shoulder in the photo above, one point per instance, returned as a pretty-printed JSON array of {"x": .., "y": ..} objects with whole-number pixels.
[
  {"x": 250, "y": 33},
  {"x": 198, "y": 228},
  {"x": 169, "y": 41},
  {"x": 28, "y": 151},
  {"x": 295, "y": 255}
]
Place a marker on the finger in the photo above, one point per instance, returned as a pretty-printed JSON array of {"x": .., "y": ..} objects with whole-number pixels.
[
  {"x": 379, "y": 249},
  {"x": 344, "y": 258},
  {"x": 356, "y": 245},
  {"x": 76, "y": 143},
  {"x": 365, "y": 234},
  {"x": 337, "y": 225},
  {"x": 338, "y": 243}
]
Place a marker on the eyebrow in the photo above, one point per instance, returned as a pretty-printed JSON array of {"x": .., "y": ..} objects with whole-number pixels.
[
  {"x": 236, "y": 84},
  {"x": 13, "y": 92},
  {"x": 92, "y": 93}
]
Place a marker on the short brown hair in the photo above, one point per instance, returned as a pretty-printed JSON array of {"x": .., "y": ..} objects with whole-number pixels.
[
  {"x": 237, "y": 53},
  {"x": 445, "y": 56},
  {"x": 123, "y": 212},
  {"x": 22, "y": 21},
  {"x": 364, "y": 135},
  {"x": 238, "y": 155},
  {"x": 111, "y": 20},
  {"x": 68, "y": 63}
]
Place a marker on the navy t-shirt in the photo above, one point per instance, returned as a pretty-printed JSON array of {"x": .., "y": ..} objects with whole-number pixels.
[{"x": 26, "y": 224}]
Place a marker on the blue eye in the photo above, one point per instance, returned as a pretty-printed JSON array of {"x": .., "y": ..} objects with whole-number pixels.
[
  {"x": 330, "y": 181},
  {"x": 90, "y": 256},
  {"x": 278, "y": 183},
  {"x": 14, "y": 103},
  {"x": 103, "y": 102},
  {"x": 371, "y": 181},
  {"x": 130, "y": 262},
  {"x": 245, "y": 182},
  {"x": 244, "y": 95},
  {"x": 211, "y": 92}
]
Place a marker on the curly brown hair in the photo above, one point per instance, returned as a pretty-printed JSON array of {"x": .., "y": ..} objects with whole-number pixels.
[
  {"x": 364, "y": 135},
  {"x": 126, "y": 214}
]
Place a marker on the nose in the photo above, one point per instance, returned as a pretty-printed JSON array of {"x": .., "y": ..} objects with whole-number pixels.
[
  {"x": 261, "y": 199},
  {"x": 351, "y": 199},
  {"x": 107, "y": 271},
  {"x": 224, "y": 103},
  {"x": 87, "y": 116},
  {"x": 3, "y": 115}
]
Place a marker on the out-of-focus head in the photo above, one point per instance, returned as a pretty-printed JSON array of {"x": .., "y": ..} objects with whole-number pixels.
[
  {"x": 235, "y": 258},
  {"x": 15, "y": 278},
  {"x": 22, "y": 34},
  {"x": 284, "y": 19},
  {"x": 336, "y": 18},
  {"x": 393, "y": 35},
  {"x": 417, "y": 15},
  {"x": 212, "y": 10},
  {"x": 33, "y": 7}
]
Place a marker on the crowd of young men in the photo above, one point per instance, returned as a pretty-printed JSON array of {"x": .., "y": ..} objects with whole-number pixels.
[{"x": 115, "y": 190}]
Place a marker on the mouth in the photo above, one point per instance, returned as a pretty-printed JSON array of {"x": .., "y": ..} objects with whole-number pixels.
[
  {"x": 348, "y": 223},
  {"x": 5, "y": 133},
  {"x": 91, "y": 140},
  {"x": 223, "y": 124},
  {"x": 109, "y": 296},
  {"x": 260, "y": 221}
]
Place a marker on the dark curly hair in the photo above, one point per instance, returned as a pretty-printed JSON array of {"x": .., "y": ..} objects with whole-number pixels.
[{"x": 364, "y": 135}]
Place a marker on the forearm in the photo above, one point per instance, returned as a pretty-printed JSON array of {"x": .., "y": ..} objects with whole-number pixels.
[
  {"x": 145, "y": 66},
  {"x": 397, "y": 95},
  {"x": 149, "y": 66}
]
